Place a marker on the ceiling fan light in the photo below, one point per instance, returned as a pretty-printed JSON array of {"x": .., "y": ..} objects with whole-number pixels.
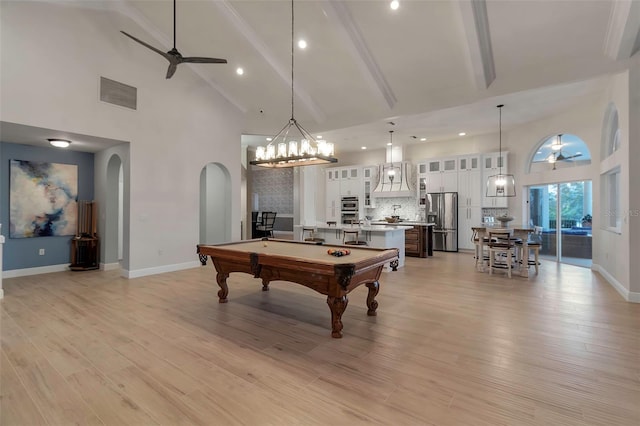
[{"x": 59, "y": 143}]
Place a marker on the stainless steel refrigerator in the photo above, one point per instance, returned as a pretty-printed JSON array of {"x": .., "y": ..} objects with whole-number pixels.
[{"x": 442, "y": 209}]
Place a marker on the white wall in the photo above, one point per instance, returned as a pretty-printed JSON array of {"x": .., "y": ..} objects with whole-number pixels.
[{"x": 52, "y": 59}]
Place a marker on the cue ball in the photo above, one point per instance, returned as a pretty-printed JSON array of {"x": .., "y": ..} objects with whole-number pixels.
[{"x": 264, "y": 244}]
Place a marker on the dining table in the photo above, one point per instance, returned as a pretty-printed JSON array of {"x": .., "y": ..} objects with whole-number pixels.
[{"x": 517, "y": 231}]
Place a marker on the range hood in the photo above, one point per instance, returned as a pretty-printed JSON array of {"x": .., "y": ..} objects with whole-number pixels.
[{"x": 398, "y": 186}]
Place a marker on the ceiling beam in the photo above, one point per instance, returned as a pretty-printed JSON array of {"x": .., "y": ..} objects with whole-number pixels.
[
  {"x": 260, "y": 46},
  {"x": 623, "y": 32},
  {"x": 475, "y": 23},
  {"x": 339, "y": 12}
]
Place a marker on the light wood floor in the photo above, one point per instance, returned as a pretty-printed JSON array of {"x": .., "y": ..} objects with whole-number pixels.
[{"x": 450, "y": 346}]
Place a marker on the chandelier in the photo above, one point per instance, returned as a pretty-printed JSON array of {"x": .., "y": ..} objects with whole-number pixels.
[
  {"x": 501, "y": 185},
  {"x": 283, "y": 150}
]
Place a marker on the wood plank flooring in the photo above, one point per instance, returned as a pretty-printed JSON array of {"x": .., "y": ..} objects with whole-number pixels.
[{"x": 450, "y": 346}]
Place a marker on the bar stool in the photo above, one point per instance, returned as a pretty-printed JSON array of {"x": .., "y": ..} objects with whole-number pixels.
[
  {"x": 534, "y": 242},
  {"x": 353, "y": 233},
  {"x": 501, "y": 244},
  {"x": 312, "y": 234}
]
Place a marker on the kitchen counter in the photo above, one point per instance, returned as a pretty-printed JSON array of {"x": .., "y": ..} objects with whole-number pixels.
[
  {"x": 404, "y": 222},
  {"x": 389, "y": 235}
]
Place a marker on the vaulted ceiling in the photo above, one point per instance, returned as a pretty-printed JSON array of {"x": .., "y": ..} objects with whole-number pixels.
[{"x": 433, "y": 67}]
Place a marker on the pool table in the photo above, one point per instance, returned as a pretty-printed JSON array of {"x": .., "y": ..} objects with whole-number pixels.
[{"x": 304, "y": 263}]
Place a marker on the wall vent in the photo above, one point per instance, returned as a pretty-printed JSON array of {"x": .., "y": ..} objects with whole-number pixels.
[{"x": 117, "y": 93}]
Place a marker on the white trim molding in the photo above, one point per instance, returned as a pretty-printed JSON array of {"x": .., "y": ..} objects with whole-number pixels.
[
  {"x": 14, "y": 273},
  {"x": 629, "y": 296},
  {"x": 109, "y": 266},
  {"x": 160, "y": 269}
]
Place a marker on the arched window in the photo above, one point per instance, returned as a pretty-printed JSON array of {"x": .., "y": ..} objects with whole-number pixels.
[
  {"x": 611, "y": 137},
  {"x": 560, "y": 151}
]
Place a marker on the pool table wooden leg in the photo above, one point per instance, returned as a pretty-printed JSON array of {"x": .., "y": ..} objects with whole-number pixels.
[
  {"x": 224, "y": 290},
  {"x": 337, "y": 306},
  {"x": 265, "y": 285},
  {"x": 372, "y": 304}
]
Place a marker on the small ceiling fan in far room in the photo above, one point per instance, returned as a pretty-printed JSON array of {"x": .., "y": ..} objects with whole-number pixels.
[
  {"x": 557, "y": 154},
  {"x": 173, "y": 56}
]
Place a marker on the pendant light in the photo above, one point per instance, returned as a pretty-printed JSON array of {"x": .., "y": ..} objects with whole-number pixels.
[
  {"x": 501, "y": 185},
  {"x": 282, "y": 150},
  {"x": 392, "y": 171}
]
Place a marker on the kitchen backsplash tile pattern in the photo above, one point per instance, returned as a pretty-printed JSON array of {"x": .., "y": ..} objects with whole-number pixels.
[{"x": 384, "y": 208}]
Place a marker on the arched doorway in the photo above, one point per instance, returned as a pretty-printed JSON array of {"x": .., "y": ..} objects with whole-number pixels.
[
  {"x": 114, "y": 204},
  {"x": 215, "y": 204}
]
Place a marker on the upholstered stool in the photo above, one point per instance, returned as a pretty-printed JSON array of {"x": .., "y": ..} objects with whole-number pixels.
[
  {"x": 353, "y": 235},
  {"x": 312, "y": 235}
]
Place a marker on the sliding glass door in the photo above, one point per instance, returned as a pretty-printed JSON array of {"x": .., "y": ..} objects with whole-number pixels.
[{"x": 564, "y": 212}]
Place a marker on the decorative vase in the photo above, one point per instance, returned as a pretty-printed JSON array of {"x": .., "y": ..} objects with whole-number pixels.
[{"x": 504, "y": 220}]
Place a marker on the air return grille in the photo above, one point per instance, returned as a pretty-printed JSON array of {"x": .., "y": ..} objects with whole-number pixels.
[{"x": 117, "y": 93}]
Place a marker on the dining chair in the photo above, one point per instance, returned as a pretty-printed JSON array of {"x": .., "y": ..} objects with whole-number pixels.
[
  {"x": 534, "y": 242},
  {"x": 501, "y": 244},
  {"x": 475, "y": 238},
  {"x": 265, "y": 228}
]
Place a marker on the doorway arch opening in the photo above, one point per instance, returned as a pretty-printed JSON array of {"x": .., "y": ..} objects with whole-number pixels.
[{"x": 215, "y": 204}]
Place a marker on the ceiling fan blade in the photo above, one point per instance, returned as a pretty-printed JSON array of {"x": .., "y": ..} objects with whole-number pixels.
[
  {"x": 172, "y": 69},
  {"x": 199, "y": 60},
  {"x": 572, "y": 156},
  {"x": 148, "y": 46}
]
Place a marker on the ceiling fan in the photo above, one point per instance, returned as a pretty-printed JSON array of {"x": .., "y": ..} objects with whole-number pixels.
[
  {"x": 557, "y": 154},
  {"x": 173, "y": 56}
]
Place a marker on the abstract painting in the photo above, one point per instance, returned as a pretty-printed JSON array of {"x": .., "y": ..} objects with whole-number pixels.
[{"x": 43, "y": 199}]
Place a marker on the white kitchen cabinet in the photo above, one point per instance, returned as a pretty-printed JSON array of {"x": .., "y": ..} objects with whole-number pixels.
[
  {"x": 332, "y": 191},
  {"x": 492, "y": 164},
  {"x": 442, "y": 175},
  {"x": 469, "y": 181},
  {"x": 467, "y": 217},
  {"x": 368, "y": 185}
]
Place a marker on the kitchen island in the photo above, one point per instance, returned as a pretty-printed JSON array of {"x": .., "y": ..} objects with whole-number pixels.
[
  {"x": 389, "y": 235},
  {"x": 418, "y": 238}
]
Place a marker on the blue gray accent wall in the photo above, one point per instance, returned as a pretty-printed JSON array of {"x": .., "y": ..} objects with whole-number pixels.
[{"x": 21, "y": 253}]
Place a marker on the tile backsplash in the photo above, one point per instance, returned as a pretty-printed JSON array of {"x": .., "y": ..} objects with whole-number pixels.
[{"x": 384, "y": 208}]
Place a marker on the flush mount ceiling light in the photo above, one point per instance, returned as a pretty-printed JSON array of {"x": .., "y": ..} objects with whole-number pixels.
[
  {"x": 394, "y": 5},
  {"x": 59, "y": 143},
  {"x": 283, "y": 150},
  {"x": 501, "y": 185}
]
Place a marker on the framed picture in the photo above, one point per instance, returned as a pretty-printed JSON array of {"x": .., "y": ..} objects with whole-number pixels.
[{"x": 43, "y": 199}]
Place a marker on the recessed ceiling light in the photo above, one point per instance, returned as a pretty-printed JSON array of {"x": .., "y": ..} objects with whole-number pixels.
[
  {"x": 394, "y": 5},
  {"x": 302, "y": 44},
  {"x": 462, "y": 134},
  {"x": 59, "y": 143},
  {"x": 423, "y": 139},
  {"x": 239, "y": 71},
  {"x": 269, "y": 139},
  {"x": 364, "y": 147},
  {"x": 319, "y": 137},
  {"x": 389, "y": 144}
]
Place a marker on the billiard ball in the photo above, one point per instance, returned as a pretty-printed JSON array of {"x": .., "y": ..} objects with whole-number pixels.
[{"x": 264, "y": 244}]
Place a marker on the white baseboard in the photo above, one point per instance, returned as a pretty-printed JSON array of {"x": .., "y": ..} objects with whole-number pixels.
[
  {"x": 629, "y": 296},
  {"x": 1, "y": 293},
  {"x": 160, "y": 269},
  {"x": 109, "y": 266},
  {"x": 35, "y": 271}
]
